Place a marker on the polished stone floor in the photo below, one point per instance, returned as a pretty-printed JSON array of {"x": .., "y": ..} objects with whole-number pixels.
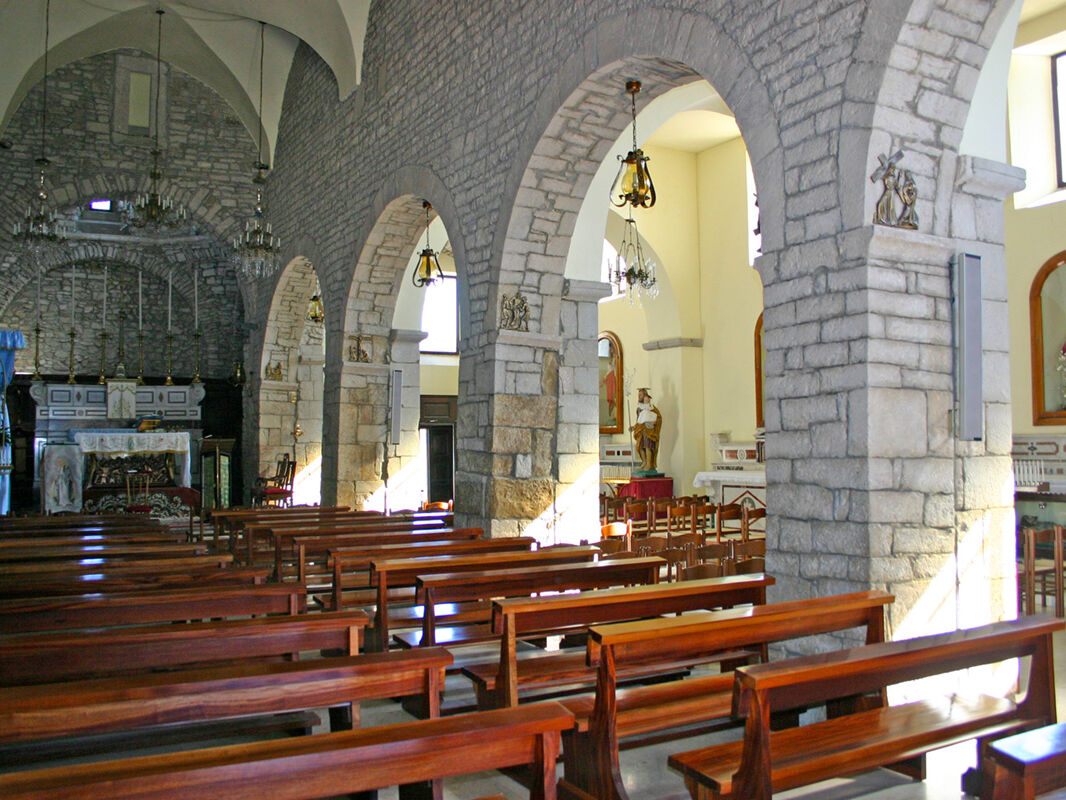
[{"x": 649, "y": 778}]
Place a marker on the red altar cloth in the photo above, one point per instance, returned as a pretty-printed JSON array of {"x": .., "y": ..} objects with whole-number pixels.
[{"x": 643, "y": 488}]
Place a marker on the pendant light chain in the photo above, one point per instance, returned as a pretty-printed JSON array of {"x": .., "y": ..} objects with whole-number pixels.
[{"x": 44, "y": 99}]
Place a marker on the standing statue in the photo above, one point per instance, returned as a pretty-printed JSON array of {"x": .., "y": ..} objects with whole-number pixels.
[{"x": 646, "y": 433}]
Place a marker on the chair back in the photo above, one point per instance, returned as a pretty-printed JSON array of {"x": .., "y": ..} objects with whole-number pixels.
[
  {"x": 750, "y": 549},
  {"x": 727, "y": 512},
  {"x": 748, "y": 566},
  {"x": 750, "y": 515},
  {"x": 700, "y": 571}
]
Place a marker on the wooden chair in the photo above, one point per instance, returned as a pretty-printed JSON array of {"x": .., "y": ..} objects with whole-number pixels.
[
  {"x": 608, "y": 546},
  {"x": 748, "y": 566},
  {"x": 638, "y": 516},
  {"x": 749, "y": 516},
  {"x": 713, "y": 553},
  {"x": 692, "y": 540},
  {"x": 702, "y": 520},
  {"x": 678, "y": 521},
  {"x": 437, "y": 505},
  {"x": 614, "y": 509},
  {"x": 676, "y": 559},
  {"x": 695, "y": 572},
  {"x": 658, "y": 514},
  {"x": 617, "y": 530},
  {"x": 753, "y": 548},
  {"x": 276, "y": 490},
  {"x": 621, "y": 554},
  {"x": 726, "y": 512},
  {"x": 651, "y": 545},
  {"x": 1032, "y": 572}
]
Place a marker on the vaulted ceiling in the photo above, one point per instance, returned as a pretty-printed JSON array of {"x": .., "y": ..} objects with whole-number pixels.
[{"x": 215, "y": 41}]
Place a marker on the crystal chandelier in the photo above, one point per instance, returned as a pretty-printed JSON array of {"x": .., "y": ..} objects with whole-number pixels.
[
  {"x": 40, "y": 227},
  {"x": 632, "y": 185},
  {"x": 632, "y": 273},
  {"x": 427, "y": 270},
  {"x": 154, "y": 210},
  {"x": 256, "y": 251}
]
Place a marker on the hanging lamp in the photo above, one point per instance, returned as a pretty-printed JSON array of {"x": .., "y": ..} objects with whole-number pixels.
[
  {"x": 315, "y": 312},
  {"x": 154, "y": 210},
  {"x": 633, "y": 273},
  {"x": 256, "y": 252},
  {"x": 633, "y": 185},
  {"x": 40, "y": 228},
  {"x": 427, "y": 270}
]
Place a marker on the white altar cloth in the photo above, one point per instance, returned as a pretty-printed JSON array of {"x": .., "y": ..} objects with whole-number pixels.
[{"x": 126, "y": 443}]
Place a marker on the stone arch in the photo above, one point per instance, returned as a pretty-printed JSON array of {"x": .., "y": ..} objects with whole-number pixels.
[
  {"x": 291, "y": 379},
  {"x": 355, "y": 469},
  {"x": 653, "y": 46}
]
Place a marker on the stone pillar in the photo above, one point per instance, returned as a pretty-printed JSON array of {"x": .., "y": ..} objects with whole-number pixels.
[
  {"x": 277, "y": 409},
  {"x": 577, "y": 444},
  {"x": 361, "y": 408},
  {"x": 506, "y": 432},
  {"x": 868, "y": 485},
  {"x": 407, "y": 465}
]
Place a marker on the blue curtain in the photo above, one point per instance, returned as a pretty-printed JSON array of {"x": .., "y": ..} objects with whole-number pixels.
[{"x": 10, "y": 341}]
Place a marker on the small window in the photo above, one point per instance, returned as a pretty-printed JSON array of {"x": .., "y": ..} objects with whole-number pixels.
[
  {"x": 140, "y": 105},
  {"x": 440, "y": 317},
  {"x": 100, "y": 205}
]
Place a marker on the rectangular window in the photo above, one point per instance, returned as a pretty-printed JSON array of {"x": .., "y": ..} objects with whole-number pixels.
[
  {"x": 140, "y": 106},
  {"x": 440, "y": 317},
  {"x": 1058, "y": 101},
  {"x": 100, "y": 205}
]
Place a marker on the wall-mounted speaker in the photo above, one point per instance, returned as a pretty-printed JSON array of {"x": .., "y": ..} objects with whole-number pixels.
[
  {"x": 969, "y": 350},
  {"x": 396, "y": 392}
]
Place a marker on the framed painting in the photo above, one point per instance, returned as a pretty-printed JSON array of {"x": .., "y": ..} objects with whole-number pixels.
[{"x": 609, "y": 350}]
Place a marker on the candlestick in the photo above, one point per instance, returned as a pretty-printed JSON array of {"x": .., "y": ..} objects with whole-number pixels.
[
  {"x": 120, "y": 367},
  {"x": 38, "y": 294},
  {"x": 170, "y": 292},
  {"x": 73, "y": 282},
  {"x": 140, "y": 304},
  {"x": 140, "y": 358},
  {"x": 196, "y": 372},
  {"x": 170, "y": 359},
  {"x": 195, "y": 300},
  {"x": 103, "y": 358},
  {"x": 105, "y": 296},
  {"x": 37, "y": 349},
  {"x": 70, "y": 375}
]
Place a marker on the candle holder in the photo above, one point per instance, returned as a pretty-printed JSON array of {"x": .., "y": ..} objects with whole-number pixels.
[
  {"x": 197, "y": 334},
  {"x": 36, "y": 376},
  {"x": 103, "y": 358},
  {"x": 70, "y": 375},
  {"x": 140, "y": 357},
  {"x": 120, "y": 367},
  {"x": 170, "y": 359}
]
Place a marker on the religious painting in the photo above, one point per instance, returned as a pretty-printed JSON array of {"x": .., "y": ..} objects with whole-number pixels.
[
  {"x": 1047, "y": 335},
  {"x": 609, "y": 350}
]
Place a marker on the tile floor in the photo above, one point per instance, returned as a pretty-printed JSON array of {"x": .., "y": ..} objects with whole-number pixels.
[{"x": 649, "y": 778}]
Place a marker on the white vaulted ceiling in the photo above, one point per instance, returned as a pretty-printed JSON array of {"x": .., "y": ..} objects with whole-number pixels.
[{"x": 215, "y": 41}]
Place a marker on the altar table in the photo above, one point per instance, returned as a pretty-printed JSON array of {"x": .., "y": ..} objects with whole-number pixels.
[{"x": 127, "y": 443}]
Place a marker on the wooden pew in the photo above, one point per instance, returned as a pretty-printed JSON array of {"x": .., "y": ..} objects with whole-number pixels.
[
  {"x": 140, "y": 608},
  {"x": 44, "y": 523},
  {"x": 59, "y": 656},
  {"x": 458, "y": 588},
  {"x": 1029, "y": 763},
  {"x": 155, "y": 566},
  {"x": 317, "y": 542},
  {"x": 229, "y": 521},
  {"x": 354, "y": 560},
  {"x": 497, "y": 683},
  {"x": 68, "y": 538},
  {"x": 322, "y": 766},
  {"x": 63, "y": 719},
  {"x": 75, "y": 583},
  {"x": 691, "y": 705},
  {"x": 767, "y": 760},
  {"x": 388, "y": 574},
  {"x": 108, "y": 551}
]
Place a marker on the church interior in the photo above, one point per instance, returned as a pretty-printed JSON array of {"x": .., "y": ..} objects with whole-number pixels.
[{"x": 512, "y": 263}]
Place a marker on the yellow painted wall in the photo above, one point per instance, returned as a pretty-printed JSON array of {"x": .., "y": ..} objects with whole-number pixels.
[{"x": 699, "y": 231}]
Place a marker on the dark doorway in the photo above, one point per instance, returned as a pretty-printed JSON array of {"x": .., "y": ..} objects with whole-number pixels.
[{"x": 440, "y": 460}]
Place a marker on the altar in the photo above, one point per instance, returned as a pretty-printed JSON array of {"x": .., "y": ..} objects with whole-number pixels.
[{"x": 113, "y": 444}]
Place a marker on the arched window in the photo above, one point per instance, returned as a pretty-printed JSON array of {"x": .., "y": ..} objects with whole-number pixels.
[
  {"x": 1047, "y": 336},
  {"x": 440, "y": 317}
]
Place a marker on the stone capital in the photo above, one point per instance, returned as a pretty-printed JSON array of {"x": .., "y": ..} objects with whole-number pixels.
[{"x": 986, "y": 178}]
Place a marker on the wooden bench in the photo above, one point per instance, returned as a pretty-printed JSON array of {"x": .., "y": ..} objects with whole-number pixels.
[
  {"x": 633, "y": 715},
  {"x": 497, "y": 683},
  {"x": 53, "y": 720},
  {"x": 1030, "y": 763},
  {"x": 101, "y": 551},
  {"x": 138, "y": 608},
  {"x": 28, "y": 570},
  {"x": 767, "y": 760},
  {"x": 75, "y": 583},
  {"x": 325, "y": 765},
  {"x": 437, "y": 591},
  {"x": 350, "y": 564},
  {"x": 302, "y": 543},
  {"x": 229, "y": 521},
  {"x": 58, "y": 656},
  {"x": 388, "y": 574}
]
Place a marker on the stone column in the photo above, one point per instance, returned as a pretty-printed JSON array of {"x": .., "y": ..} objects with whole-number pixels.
[
  {"x": 506, "y": 432},
  {"x": 407, "y": 466},
  {"x": 276, "y": 419},
  {"x": 868, "y": 484},
  {"x": 360, "y": 406}
]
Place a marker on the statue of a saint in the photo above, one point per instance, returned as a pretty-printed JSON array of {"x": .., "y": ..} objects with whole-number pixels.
[{"x": 646, "y": 433}]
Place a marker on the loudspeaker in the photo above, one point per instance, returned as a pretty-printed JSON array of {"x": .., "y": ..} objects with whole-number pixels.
[
  {"x": 969, "y": 350},
  {"x": 396, "y": 391}
]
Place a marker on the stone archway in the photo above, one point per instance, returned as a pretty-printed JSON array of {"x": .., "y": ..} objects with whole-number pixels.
[
  {"x": 360, "y": 373},
  {"x": 291, "y": 373}
]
